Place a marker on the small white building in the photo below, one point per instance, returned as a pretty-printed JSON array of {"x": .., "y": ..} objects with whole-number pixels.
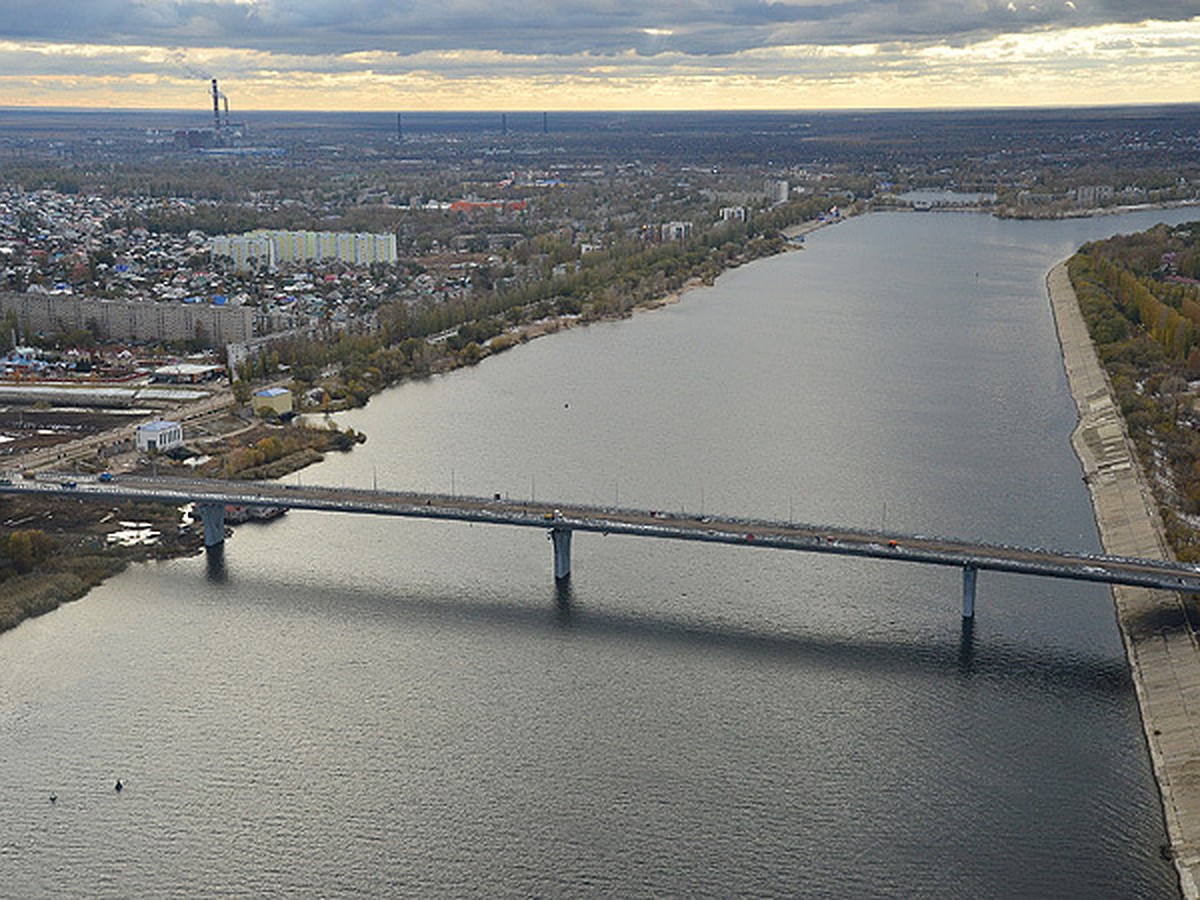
[
  {"x": 159, "y": 435},
  {"x": 187, "y": 373}
]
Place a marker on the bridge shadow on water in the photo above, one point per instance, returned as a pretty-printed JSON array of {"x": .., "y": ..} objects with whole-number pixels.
[
  {"x": 960, "y": 654},
  {"x": 1022, "y": 667}
]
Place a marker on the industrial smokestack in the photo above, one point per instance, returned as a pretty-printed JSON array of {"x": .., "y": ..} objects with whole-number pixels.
[
  {"x": 216, "y": 105},
  {"x": 545, "y": 124},
  {"x": 399, "y": 130}
]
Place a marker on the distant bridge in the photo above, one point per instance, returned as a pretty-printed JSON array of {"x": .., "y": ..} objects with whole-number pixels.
[{"x": 562, "y": 520}]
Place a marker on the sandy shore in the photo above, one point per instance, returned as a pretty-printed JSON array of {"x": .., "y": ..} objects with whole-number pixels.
[{"x": 1161, "y": 647}]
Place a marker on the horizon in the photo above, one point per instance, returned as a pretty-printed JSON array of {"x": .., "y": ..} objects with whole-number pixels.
[
  {"x": 538, "y": 111},
  {"x": 471, "y": 56}
]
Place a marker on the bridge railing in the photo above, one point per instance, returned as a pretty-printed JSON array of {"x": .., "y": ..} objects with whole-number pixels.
[{"x": 562, "y": 519}]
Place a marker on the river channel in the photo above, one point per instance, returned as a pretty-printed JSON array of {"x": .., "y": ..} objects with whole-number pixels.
[{"x": 349, "y": 706}]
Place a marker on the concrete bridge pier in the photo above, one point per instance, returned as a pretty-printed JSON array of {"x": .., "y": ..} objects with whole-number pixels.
[
  {"x": 969, "y": 573},
  {"x": 213, "y": 517},
  {"x": 562, "y": 552}
]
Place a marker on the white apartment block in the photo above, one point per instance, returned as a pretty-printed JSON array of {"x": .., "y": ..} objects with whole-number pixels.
[
  {"x": 676, "y": 231},
  {"x": 268, "y": 249},
  {"x": 777, "y": 190},
  {"x": 248, "y": 251},
  {"x": 1092, "y": 195}
]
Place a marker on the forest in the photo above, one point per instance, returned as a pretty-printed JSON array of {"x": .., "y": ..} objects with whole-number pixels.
[{"x": 1140, "y": 297}]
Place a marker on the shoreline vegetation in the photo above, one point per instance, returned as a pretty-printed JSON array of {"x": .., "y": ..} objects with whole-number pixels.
[
  {"x": 345, "y": 373},
  {"x": 56, "y": 556},
  {"x": 1154, "y": 625},
  {"x": 336, "y": 372},
  {"x": 40, "y": 569},
  {"x": 1139, "y": 296}
]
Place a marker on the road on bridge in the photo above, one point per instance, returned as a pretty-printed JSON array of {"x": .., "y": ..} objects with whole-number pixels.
[{"x": 963, "y": 554}]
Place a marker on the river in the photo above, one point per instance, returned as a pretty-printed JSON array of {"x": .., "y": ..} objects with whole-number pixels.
[{"x": 352, "y": 706}]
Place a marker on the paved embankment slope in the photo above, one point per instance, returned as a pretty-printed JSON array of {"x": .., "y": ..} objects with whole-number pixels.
[{"x": 1161, "y": 647}]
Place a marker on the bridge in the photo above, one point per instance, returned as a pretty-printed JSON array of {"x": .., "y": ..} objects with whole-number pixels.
[{"x": 562, "y": 520}]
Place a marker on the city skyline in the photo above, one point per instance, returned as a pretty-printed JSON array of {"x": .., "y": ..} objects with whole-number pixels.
[{"x": 687, "y": 54}]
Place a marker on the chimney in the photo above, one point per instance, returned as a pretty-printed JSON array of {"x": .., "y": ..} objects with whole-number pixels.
[{"x": 216, "y": 105}]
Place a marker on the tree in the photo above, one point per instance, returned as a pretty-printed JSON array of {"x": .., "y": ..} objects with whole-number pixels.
[{"x": 22, "y": 550}]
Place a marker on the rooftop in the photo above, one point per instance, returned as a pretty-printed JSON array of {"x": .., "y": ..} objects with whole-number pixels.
[{"x": 158, "y": 425}]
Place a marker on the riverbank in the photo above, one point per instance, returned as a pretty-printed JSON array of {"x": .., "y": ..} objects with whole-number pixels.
[
  {"x": 1159, "y": 642},
  {"x": 522, "y": 334},
  {"x": 60, "y": 552},
  {"x": 240, "y": 453},
  {"x": 80, "y": 541}
]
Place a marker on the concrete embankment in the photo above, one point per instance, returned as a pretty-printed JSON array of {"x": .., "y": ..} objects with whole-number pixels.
[{"x": 1161, "y": 647}]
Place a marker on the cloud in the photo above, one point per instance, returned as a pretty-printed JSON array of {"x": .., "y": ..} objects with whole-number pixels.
[
  {"x": 556, "y": 54},
  {"x": 556, "y": 27},
  {"x": 1150, "y": 62}
]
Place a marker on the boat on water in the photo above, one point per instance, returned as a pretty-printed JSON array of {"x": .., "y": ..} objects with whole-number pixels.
[{"x": 236, "y": 514}]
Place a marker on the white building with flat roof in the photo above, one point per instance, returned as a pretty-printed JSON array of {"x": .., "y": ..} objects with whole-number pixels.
[
  {"x": 159, "y": 435},
  {"x": 676, "y": 231}
]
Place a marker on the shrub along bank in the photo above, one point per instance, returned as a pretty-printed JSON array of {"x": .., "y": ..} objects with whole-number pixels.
[{"x": 1140, "y": 297}]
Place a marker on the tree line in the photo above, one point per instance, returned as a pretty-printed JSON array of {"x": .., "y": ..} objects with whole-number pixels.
[
  {"x": 1143, "y": 315},
  {"x": 609, "y": 282}
]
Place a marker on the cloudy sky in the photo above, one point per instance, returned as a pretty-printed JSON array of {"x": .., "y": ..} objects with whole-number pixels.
[{"x": 598, "y": 54}]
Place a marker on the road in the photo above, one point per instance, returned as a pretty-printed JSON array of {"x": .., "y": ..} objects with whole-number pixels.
[{"x": 953, "y": 552}]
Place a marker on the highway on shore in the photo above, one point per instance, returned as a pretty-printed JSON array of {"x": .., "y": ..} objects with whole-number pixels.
[{"x": 560, "y": 517}]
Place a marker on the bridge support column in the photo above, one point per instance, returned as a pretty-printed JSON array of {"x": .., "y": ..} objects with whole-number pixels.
[
  {"x": 562, "y": 552},
  {"x": 213, "y": 517},
  {"x": 969, "y": 573}
]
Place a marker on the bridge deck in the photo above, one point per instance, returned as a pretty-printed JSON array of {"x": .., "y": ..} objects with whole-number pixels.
[{"x": 641, "y": 523}]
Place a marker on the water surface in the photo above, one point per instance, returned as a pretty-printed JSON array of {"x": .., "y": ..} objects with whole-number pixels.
[{"x": 355, "y": 707}]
